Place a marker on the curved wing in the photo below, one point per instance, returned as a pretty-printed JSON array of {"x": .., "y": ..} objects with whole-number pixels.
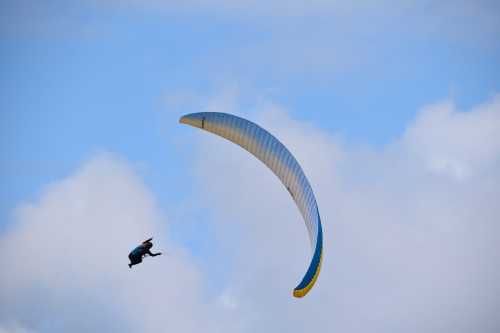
[{"x": 276, "y": 157}]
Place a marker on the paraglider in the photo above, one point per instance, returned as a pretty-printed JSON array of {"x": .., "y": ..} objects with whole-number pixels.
[
  {"x": 140, "y": 252},
  {"x": 278, "y": 158}
]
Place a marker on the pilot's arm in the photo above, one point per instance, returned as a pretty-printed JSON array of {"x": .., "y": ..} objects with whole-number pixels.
[{"x": 153, "y": 254}]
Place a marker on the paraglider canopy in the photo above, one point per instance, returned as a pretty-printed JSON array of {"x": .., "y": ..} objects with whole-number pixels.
[{"x": 278, "y": 158}]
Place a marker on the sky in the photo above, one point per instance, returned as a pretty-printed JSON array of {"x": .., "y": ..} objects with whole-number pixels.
[{"x": 391, "y": 107}]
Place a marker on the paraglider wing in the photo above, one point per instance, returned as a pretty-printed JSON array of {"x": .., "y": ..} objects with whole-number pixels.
[{"x": 276, "y": 157}]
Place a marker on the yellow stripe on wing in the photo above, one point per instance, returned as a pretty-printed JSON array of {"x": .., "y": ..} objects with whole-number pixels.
[{"x": 302, "y": 292}]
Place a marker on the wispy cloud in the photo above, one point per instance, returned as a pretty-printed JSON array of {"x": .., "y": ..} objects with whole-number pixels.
[{"x": 464, "y": 17}]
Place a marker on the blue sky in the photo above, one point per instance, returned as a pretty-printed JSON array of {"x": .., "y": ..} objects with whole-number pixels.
[
  {"x": 80, "y": 77},
  {"x": 85, "y": 78}
]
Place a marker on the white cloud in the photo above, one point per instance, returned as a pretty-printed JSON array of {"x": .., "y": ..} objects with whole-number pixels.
[
  {"x": 408, "y": 247},
  {"x": 65, "y": 260},
  {"x": 457, "y": 143}
]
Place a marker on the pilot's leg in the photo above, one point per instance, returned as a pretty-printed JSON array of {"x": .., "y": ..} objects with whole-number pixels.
[{"x": 134, "y": 260}]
